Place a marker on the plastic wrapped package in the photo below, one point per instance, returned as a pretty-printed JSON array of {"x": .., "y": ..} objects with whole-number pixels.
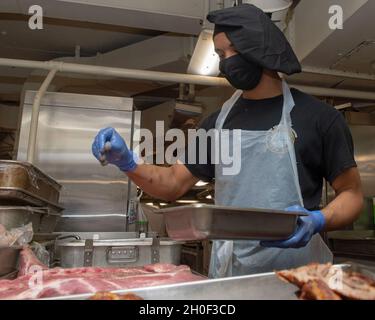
[
  {"x": 16, "y": 236},
  {"x": 41, "y": 252}
]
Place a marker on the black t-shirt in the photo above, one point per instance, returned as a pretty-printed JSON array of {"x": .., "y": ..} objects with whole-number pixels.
[{"x": 324, "y": 145}]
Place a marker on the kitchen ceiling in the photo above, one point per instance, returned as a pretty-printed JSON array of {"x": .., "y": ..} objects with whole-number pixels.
[
  {"x": 351, "y": 49},
  {"x": 60, "y": 38}
]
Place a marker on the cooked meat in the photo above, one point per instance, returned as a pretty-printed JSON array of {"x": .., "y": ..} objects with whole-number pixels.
[
  {"x": 346, "y": 284},
  {"x": 105, "y": 296},
  {"x": 114, "y": 296},
  {"x": 130, "y": 296},
  {"x": 317, "y": 290},
  {"x": 302, "y": 275},
  {"x": 356, "y": 286}
]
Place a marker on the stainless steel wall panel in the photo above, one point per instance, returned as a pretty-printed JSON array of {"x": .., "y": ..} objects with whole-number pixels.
[
  {"x": 67, "y": 126},
  {"x": 364, "y": 145}
]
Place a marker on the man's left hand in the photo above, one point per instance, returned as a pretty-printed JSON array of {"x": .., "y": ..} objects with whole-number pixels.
[{"x": 307, "y": 226}]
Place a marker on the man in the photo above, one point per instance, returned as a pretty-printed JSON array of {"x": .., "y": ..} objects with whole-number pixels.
[{"x": 290, "y": 141}]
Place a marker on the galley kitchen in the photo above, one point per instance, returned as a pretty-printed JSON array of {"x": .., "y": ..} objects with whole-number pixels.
[{"x": 187, "y": 150}]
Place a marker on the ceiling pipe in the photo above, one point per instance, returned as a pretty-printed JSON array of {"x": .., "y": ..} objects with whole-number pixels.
[
  {"x": 330, "y": 92},
  {"x": 338, "y": 73},
  {"x": 168, "y": 77},
  {"x": 116, "y": 72},
  {"x": 35, "y": 116}
]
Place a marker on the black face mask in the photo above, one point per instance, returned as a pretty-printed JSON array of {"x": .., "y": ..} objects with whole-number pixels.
[{"x": 240, "y": 73}]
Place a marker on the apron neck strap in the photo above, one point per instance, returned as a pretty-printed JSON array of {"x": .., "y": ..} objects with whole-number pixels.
[
  {"x": 288, "y": 104},
  {"x": 226, "y": 108}
]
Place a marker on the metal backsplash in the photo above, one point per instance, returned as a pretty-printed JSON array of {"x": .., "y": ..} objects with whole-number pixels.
[
  {"x": 67, "y": 126},
  {"x": 362, "y": 127},
  {"x": 364, "y": 145}
]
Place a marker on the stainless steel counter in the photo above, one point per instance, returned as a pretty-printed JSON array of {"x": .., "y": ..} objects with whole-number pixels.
[{"x": 266, "y": 286}]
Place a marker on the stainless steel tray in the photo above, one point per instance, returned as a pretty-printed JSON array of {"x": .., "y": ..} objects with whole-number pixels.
[
  {"x": 15, "y": 217},
  {"x": 18, "y": 196},
  {"x": 43, "y": 219},
  {"x": 9, "y": 259},
  {"x": 25, "y": 176},
  {"x": 200, "y": 221},
  {"x": 264, "y": 286}
]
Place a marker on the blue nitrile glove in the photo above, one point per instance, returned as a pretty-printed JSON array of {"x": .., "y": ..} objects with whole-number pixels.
[
  {"x": 307, "y": 226},
  {"x": 110, "y": 147}
]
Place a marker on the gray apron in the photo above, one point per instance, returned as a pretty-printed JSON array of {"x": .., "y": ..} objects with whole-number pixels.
[{"x": 268, "y": 179}]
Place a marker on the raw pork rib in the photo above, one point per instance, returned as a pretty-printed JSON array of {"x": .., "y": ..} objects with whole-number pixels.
[
  {"x": 27, "y": 260},
  {"x": 60, "y": 282}
]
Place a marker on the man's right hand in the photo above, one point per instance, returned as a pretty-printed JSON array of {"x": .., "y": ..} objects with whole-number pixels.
[{"x": 109, "y": 146}]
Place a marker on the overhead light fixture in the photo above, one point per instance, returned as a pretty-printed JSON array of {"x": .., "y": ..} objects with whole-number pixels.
[
  {"x": 343, "y": 106},
  {"x": 209, "y": 197},
  {"x": 187, "y": 201},
  {"x": 204, "y": 60},
  {"x": 270, "y": 5},
  {"x": 201, "y": 183},
  {"x": 150, "y": 203}
]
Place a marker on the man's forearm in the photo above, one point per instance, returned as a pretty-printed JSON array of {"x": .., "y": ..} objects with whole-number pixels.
[
  {"x": 160, "y": 182},
  {"x": 154, "y": 180},
  {"x": 343, "y": 210}
]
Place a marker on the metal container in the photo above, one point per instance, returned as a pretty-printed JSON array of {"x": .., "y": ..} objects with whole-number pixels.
[
  {"x": 49, "y": 221},
  {"x": 23, "y": 184},
  {"x": 119, "y": 252},
  {"x": 44, "y": 220},
  {"x": 9, "y": 259},
  {"x": 14, "y": 196},
  {"x": 200, "y": 221}
]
